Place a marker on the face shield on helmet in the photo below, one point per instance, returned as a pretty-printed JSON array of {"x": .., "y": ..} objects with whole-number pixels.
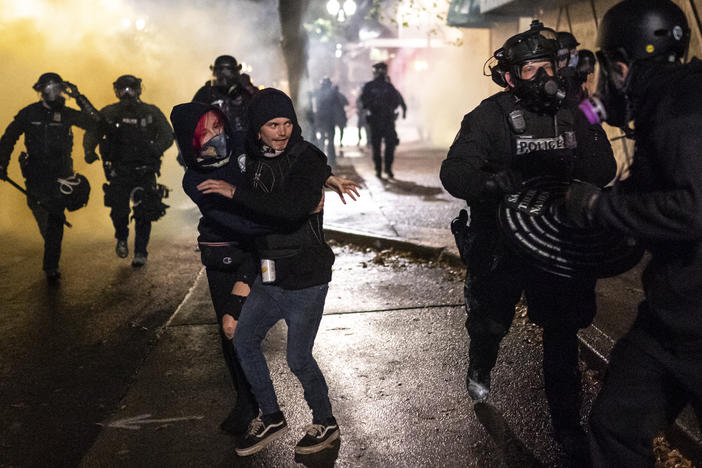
[
  {"x": 225, "y": 70},
  {"x": 127, "y": 87},
  {"x": 633, "y": 33},
  {"x": 51, "y": 92},
  {"x": 210, "y": 141},
  {"x": 50, "y": 87}
]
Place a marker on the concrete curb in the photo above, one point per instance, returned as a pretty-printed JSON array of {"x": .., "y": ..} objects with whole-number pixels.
[{"x": 595, "y": 345}]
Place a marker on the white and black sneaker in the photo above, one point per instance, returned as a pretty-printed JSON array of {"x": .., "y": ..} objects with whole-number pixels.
[
  {"x": 262, "y": 431},
  {"x": 318, "y": 437}
]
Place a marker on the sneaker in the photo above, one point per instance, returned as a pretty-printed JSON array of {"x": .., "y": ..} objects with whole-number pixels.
[
  {"x": 318, "y": 437},
  {"x": 390, "y": 174},
  {"x": 52, "y": 275},
  {"x": 139, "y": 260},
  {"x": 121, "y": 249},
  {"x": 378, "y": 174},
  {"x": 478, "y": 384},
  {"x": 237, "y": 422},
  {"x": 262, "y": 431}
]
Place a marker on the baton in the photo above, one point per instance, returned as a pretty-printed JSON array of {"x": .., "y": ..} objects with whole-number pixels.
[{"x": 21, "y": 189}]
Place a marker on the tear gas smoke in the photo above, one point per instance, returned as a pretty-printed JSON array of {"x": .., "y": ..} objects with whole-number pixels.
[{"x": 169, "y": 45}]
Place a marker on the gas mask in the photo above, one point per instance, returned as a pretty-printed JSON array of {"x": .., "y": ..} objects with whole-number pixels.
[
  {"x": 610, "y": 103},
  {"x": 51, "y": 95},
  {"x": 214, "y": 153},
  {"x": 542, "y": 93}
]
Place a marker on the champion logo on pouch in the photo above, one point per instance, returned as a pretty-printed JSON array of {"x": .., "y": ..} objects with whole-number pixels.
[
  {"x": 227, "y": 260},
  {"x": 528, "y": 145}
]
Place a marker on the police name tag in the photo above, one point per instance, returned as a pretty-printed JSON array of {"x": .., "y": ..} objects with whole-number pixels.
[{"x": 529, "y": 145}]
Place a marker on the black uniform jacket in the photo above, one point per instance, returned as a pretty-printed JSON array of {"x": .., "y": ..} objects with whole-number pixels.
[
  {"x": 661, "y": 201},
  {"x": 49, "y": 141},
  {"x": 136, "y": 133},
  {"x": 487, "y": 143},
  {"x": 381, "y": 99}
]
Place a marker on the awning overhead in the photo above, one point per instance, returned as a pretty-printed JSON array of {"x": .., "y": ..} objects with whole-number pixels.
[
  {"x": 466, "y": 14},
  {"x": 520, "y": 7}
]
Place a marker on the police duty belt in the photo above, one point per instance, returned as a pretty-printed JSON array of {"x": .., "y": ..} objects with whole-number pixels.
[{"x": 536, "y": 228}]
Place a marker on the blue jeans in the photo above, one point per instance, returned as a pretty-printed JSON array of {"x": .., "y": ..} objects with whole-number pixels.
[{"x": 302, "y": 311}]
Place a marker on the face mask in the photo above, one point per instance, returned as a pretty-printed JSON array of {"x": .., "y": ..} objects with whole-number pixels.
[
  {"x": 52, "y": 93},
  {"x": 541, "y": 93},
  {"x": 214, "y": 153},
  {"x": 610, "y": 103}
]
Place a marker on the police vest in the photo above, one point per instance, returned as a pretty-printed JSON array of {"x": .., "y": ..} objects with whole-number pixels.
[
  {"x": 130, "y": 139},
  {"x": 542, "y": 144}
]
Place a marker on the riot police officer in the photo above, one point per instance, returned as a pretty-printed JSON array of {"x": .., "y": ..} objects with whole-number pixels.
[
  {"x": 328, "y": 105},
  {"x": 380, "y": 99},
  {"x": 48, "y": 136},
  {"x": 132, "y": 141},
  {"x": 655, "y": 369},
  {"x": 226, "y": 92},
  {"x": 514, "y": 135}
]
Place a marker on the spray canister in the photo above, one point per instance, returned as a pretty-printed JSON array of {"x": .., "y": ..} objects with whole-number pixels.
[{"x": 267, "y": 270}]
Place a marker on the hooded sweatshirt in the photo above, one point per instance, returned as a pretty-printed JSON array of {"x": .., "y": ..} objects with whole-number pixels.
[
  {"x": 222, "y": 221},
  {"x": 661, "y": 201},
  {"x": 285, "y": 188}
]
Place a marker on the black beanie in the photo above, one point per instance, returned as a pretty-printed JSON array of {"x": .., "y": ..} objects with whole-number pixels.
[{"x": 268, "y": 104}]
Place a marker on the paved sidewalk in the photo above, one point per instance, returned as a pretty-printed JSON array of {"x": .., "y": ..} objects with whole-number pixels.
[{"x": 413, "y": 212}]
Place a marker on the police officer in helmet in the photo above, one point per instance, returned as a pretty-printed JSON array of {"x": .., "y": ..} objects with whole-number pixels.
[
  {"x": 226, "y": 91},
  {"x": 380, "y": 99},
  {"x": 47, "y": 165},
  {"x": 655, "y": 369},
  {"x": 132, "y": 142},
  {"x": 514, "y": 135}
]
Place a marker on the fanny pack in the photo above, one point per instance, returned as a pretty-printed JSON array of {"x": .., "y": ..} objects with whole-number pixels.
[{"x": 226, "y": 256}]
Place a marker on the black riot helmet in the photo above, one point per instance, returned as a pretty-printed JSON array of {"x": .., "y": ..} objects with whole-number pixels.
[
  {"x": 567, "y": 43},
  {"x": 566, "y": 40},
  {"x": 541, "y": 92},
  {"x": 380, "y": 69},
  {"x": 45, "y": 79},
  {"x": 225, "y": 70},
  {"x": 641, "y": 34},
  {"x": 127, "y": 87},
  {"x": 50, "y": 86},
  {"x": 644, "y": 29}
]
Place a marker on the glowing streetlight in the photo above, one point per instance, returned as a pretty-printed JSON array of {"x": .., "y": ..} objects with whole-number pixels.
[{"x": 341, "y": 11}]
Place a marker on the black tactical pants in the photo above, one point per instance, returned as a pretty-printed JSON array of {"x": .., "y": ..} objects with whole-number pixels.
[
  {"x": 379, "y": 132},
  {"x": 327, "y": 131},
  {"x": 123, "y": 188},
  {"x": 494, "y": 284},
  {"x": 221, "y": 284},
  {"x": 51, "y": 229},
  {"x": 645, "y": 389}
]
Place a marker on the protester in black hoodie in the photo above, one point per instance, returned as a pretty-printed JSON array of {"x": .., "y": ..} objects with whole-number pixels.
[
  {"x": 655, "y": 369},
  {"x": 225, "y": 241},
  {"x": 287, "y": 175}
]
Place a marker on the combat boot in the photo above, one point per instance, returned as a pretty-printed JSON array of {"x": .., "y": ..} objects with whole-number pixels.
[
  {"x": 121, "y": 249},
  {"x": 478, "y": 383}
]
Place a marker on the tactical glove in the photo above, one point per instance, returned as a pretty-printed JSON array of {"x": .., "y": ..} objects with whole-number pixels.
[
  {"x": 504, "y": 182},
  {"x": 3, "y": 173},
  {"x": 91, "y": 157},
  {"x": 580, "y": 201},
  {"x": 71, "y": 89}
]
